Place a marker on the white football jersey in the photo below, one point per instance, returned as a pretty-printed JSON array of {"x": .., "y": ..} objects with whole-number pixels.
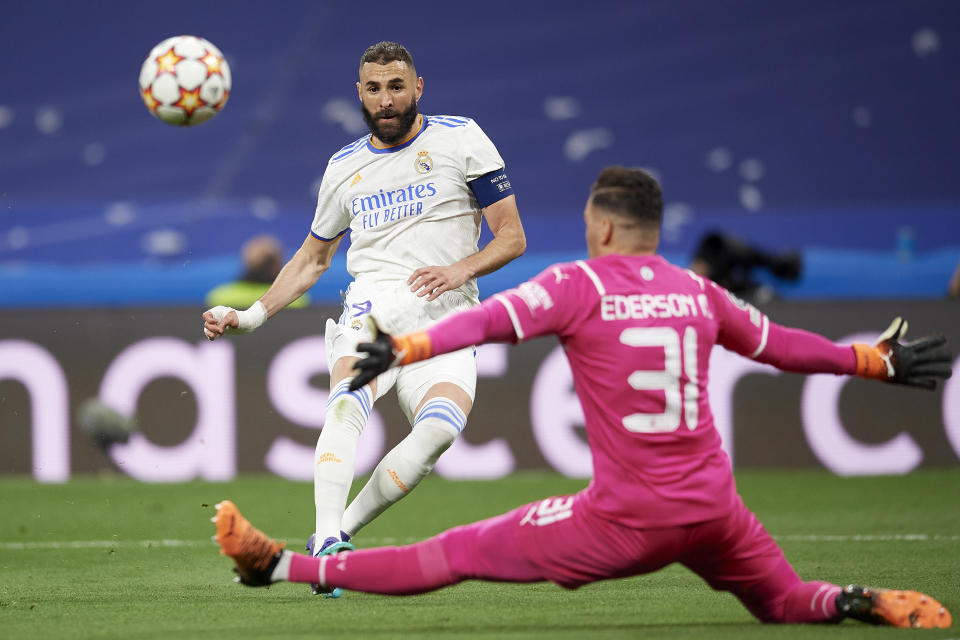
[{"x": 407, "y": 206}]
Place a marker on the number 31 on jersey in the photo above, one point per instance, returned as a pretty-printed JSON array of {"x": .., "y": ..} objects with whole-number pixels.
[{"x": 677, "y": 393}]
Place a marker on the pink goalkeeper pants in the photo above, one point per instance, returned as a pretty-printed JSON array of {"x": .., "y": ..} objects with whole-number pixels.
[{"x": 560, "y": 540}]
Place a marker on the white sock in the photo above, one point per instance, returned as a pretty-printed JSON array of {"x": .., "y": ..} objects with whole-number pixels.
[
  {"x": 347, "y": 413},
  {"x": 281, "y": 572},
  {"x": 435, "y": 427}
]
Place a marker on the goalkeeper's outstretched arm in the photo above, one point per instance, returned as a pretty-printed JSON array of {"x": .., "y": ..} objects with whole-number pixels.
[
  {"x": 921, "y": 363},
  {"x": 488, "y": 322},
  {"x": 297, "y": 276}
]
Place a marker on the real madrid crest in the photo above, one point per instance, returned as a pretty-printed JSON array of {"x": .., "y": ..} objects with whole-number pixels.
[{"x": 423, "y": 163}]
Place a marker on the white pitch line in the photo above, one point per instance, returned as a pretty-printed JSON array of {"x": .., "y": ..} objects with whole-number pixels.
[
  {"x": 147, "y": 544},
  {"x": 97, "y": 544},
  {"x": 168, "y": 543},
  {"x": 899, "y": 537}
]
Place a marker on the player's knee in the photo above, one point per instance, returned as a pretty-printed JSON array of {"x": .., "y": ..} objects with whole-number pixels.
[
  {"x": 348, "y": 409},
  {"x": 427, "y": 442},
  {"x": 435, "y": 427}
]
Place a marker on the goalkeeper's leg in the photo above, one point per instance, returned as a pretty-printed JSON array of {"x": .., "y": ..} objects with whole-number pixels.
[
  {"x": 440, "y": 418},
  {"x": 485, "y": 550},
  {"x": 557, "y": 539},
  {"x": 736, "y": 554}
]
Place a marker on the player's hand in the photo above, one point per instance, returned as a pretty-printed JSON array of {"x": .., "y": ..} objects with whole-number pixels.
[
  {"x": 219, "y": 319},
  {"x": 380, "y": 356},
  {"x": 386, "y": 352},
  {"x": 920, "y": 363},
  {"x": 433, "y": 281}
]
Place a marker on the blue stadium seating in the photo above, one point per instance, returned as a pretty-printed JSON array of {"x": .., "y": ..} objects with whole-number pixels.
[{"x": 824, "y": 126}]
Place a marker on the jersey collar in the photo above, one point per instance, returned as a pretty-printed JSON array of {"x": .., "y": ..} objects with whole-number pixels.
[{"x": 398, "y": 147}]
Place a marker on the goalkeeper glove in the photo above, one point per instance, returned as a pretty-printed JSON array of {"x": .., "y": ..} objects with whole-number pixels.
[
  {"x": 386, "y": 352},
  {"x": 917, "y": 364}
]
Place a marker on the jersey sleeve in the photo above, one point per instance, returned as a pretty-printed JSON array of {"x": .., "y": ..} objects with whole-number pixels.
[
  {"x": 742, "y": 328},
  {"x": 747, "y": 331},
  {"x": 553, "y": 302},
  {"x": 331, "y": 219},
  {"x": 545, "y": 304},
  {"x": 479, "y": 155}
]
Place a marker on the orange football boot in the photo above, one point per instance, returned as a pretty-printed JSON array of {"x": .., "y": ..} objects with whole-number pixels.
[
  {"x": 255, "y": 553},
  {"x": 905, "y": 609}
]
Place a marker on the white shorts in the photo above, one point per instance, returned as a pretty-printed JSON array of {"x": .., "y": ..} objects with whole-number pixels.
[{"x": 393, "y": 308}]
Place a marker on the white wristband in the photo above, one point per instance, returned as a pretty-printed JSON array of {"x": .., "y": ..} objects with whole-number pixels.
[{"x": 252, "y": 318}]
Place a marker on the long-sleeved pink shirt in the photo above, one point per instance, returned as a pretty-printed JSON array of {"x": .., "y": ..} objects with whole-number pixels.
[{"x": 638, "y": 332}]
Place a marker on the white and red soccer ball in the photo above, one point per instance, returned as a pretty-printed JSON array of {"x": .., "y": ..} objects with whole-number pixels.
[{"x": 185, "y": 80}]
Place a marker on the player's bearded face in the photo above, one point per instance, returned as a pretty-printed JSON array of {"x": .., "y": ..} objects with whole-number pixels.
[{"x": 391, "y": 125}]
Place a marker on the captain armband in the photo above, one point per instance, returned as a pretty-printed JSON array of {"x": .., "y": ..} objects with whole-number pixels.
[{"x": 491, "y": 187}]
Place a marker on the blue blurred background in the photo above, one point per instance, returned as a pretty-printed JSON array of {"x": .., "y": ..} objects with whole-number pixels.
[{"x": 827, "y": 127}]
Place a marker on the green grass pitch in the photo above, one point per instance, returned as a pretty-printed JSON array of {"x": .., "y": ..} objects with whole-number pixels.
[{"x": 112, "y": 558}]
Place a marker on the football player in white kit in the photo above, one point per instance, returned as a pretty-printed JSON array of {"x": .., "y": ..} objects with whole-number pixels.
[{"x": 412, "y": 194}]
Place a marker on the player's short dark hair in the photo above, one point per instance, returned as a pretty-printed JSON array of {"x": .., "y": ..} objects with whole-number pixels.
[
  {"x": 628, "y": 192},
  {"x": 386, "y": 51}
]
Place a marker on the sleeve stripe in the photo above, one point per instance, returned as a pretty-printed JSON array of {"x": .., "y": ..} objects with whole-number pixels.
[
  {"x": 698, "y": 279},
  {"x": 512, "y": 313},
  {"x": 322, "y": 239},
  {"x": 349, "y": 149},
  {"x": 593, "y": 276},
  {"x": 458, "y": 120},
  {"x": 763, "y": 338}
]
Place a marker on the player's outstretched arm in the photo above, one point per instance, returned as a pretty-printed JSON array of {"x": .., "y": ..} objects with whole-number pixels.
[
  {"x": 920, "y": 363},
  {"x": 508, "y": 242},
  {"x": 297, "y": 276}
]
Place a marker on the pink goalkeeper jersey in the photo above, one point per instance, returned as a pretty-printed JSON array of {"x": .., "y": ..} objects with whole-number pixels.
[{"x": 638, "y": 332}]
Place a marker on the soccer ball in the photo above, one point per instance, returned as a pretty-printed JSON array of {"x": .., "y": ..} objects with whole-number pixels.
[{"x": 185, "y": 80}]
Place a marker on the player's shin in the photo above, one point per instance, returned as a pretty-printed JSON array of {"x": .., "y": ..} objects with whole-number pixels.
[
  {"x": 346, "y": 415},
  {"x": 434, "y": 430}
]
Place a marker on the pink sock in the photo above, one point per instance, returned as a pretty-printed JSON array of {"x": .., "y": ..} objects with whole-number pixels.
[
  {"x": 304, "y": 568},
  {"x": 783, "y": 597},
  {"x": 812, "y": 602},
  {"x": 389, "y": 570}
]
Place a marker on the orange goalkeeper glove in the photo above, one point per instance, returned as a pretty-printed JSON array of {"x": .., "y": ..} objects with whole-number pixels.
[
  {"x": 917, "y": 364},
  {"x": 386, "y": 352}
]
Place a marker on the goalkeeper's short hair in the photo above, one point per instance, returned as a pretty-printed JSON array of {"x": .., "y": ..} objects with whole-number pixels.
[{"x": 632, "y": 193}]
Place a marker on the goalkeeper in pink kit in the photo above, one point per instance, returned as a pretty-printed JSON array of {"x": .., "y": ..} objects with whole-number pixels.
[{"x": 638, "y": 332}]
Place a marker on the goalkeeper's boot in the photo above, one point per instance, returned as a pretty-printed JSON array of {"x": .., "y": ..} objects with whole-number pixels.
[
  {"x": 905, "y": 609},
  {"x": 329, "y": 547},
  {"x": 255, "y": 553}
]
